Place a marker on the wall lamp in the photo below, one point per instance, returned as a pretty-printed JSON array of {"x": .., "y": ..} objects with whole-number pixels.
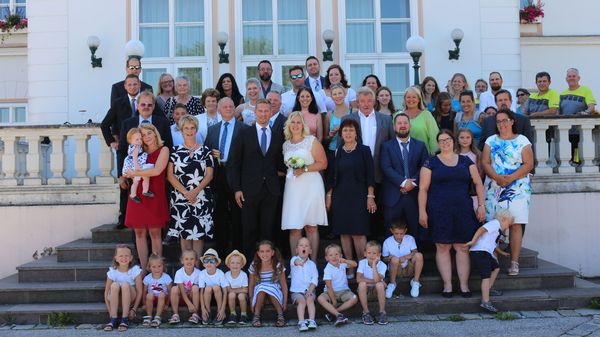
[
  {"x": 222, "y": 39},
  {"x": 415, "y": 46},
  {"x": 457, "y": 36},
  {"x": 93, "y": 42},
  {"x": 134, "y": 49},
  {"x": 328, "y": 37}
]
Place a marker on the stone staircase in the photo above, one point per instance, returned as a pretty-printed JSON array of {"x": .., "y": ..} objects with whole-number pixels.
[{"x": 72, "y": 281}]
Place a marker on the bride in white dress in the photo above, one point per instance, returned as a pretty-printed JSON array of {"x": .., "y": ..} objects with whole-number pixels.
[{"x": 304, "y": 194}]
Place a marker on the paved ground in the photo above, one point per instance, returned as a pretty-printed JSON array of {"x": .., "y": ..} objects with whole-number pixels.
[{"x": 580, "y": 322}]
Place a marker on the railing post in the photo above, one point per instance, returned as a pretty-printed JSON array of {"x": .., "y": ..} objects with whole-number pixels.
[
  {"x": 587, "y": 148},
  {"x": 81, "y": 160},
  {"x": 9, "y": 161},
  {"x": 105, "y": 163},
  {"x": 564, "y": 147},
  {"x": 33, "y": 177},
  {"x": 541, "y": 149},
  {"x": 57, "y": 160}
]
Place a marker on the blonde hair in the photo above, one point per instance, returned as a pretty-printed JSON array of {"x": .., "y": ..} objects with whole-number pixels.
[
  {"x": 132, "y": 132},
  {"x": 286, "y": 127},
  {"x": 115, "y": 264},
  {"x": 413, "y": 90},
  {"x": 373, "y": 244},
  {"x": 333, "y": 246},
  {"x": 155, "y": 258},
  {"x": 451, "y": 90},
  {"x": 187, "y": 119},
  {"x": 189, "y": 251},
  {"x": 163, "y": 75},
  {"x": 158, "y": 140},
  {"x": 505, "y": 214}
]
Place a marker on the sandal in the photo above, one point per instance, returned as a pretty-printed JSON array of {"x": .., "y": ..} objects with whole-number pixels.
[
  {"x": 109, "y": 326},
  {"x": 280, "y": 322},
  {"x": 194, "y": 319},
  {"x": 256, "y": 321},
  {"x": 174, "y": 319},
  {"x": 147, "y": 320},
  {"x": 156, "y": 322},
  {"x": 123, "y": 327}
]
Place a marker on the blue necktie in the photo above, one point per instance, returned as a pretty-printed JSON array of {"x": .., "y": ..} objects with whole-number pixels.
[
  {"x": 263, "y": 141},
  {"x": 317, "y": 86},
  {"x": 133, "y": 107},
  {"x": 405, "y": 159},
  {"x": 223, "y": 140}
]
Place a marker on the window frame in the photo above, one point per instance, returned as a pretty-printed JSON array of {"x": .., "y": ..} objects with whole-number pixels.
[
  {"x": 11, "y": 113},
  {"x": 12, "y": 8}
]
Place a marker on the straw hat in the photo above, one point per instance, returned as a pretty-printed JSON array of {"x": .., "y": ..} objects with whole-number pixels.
[
  {"x": 211, "y": 253},
  {"x": 235, "y": 253}
]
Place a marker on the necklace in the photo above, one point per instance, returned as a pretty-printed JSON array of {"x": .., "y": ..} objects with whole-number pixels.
[{"x": 349, "y": 150}]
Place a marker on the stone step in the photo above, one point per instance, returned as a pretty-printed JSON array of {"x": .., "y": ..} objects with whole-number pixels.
[
  {"x": 109, "y": 234},
  {"x": 410, "y": 308}
]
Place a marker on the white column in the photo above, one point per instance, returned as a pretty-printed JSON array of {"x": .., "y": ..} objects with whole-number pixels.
[
  {"x": 33, "y": 162},
  {"x": 564, "y": 147},
  {"x": 57, "y": 160},
  {"x": 8, "y": 162},
  {"x": 105, "y": 163},
  {"x": 81, "y": 161},
  {"x": 541, "y": 149},
  {"x": 587, "y": 147}
]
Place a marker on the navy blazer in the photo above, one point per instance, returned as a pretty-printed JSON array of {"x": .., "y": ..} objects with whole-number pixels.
[
  {"x": 159, "y": 121},
  {"x": 307, "y": 82},
  {"x": 118, "y": 90},
  {"x": 214, "y": 132},
  {"x": 118, "y": 112},
  {"x": 392, "y": 166}
]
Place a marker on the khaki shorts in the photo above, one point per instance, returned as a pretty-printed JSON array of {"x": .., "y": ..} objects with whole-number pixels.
[
  {"x": 299, "y": 296},
  {"x": 408, "y": 271},
  {"x": 341, "y": 296}
]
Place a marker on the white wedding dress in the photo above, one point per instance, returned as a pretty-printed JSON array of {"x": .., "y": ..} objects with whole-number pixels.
[{"x": 304, "y": 195}]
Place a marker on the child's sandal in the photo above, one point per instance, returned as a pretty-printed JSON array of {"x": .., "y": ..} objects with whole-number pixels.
[
  {"x": 156, "y": 322},
  {"x": 280, "y": 322},
  {"x": 123, "y": 327},
  {"x": 194, "y": 318},
  {"x": 109, "y": 327},
  {"x": 256, "y": 321},
  {"x": 147, "y": 320},
  {"x": 174, "y": 319}
]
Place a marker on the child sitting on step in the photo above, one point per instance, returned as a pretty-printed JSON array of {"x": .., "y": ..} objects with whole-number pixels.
[
  {"x": 237, "y": 287},
  {"x": 186, "y": 289},
  {"x": 305, "y": 279},
  {"x": 212, "y": 283},
  {"x": 123, "y": 283},
  {"x": 483, "y": 245},
  {"x": 136, "y": 161},
  {"x": 157, "y": 285},
  {"x": 369, "y": 275}
]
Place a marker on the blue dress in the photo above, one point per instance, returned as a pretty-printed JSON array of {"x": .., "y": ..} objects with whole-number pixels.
[{"x": 449, "y": 205}]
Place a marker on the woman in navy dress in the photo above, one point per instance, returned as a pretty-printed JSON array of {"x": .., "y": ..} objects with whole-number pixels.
[{"x": 446, "y": 208}]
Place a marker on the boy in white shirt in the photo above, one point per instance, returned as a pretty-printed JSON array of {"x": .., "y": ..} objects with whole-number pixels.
[
  {"x": 212, "y": 283},
  {"x": 336, "y": 289},
  {"x": 400, "y": 251},
  {"x": 483, "y": 245},
  {"x": 237, "y": 287},
  {"x": 369, "y": 275},
  {"x": 305, "y": 278}
]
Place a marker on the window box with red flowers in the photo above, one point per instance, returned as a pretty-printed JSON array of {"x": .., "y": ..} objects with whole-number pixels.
[
  {"x": 532, "y": 13},
  {"x": 13, "y": 23}
]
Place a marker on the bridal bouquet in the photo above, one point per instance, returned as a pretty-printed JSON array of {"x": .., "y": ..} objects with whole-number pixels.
[{"x": 293, "y": 163}]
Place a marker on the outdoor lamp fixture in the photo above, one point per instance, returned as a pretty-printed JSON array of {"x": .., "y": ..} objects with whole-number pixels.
[
  {"x": 134, "y": 49},
  {"x": 328, "y": 36},
  {"x": 415, "y": 46},
  {"x": 457, "y": 36},
  {"x": 222, "y": 38},
  {"x": 93, "y": 42}
]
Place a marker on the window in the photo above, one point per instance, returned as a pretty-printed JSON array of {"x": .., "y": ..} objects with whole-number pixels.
[
  {"x": 176, "y": 40},
  {"x": 8, "y": 7},
  {"x": 13, "y": 114},
  {"x": 377, "y": 26}
]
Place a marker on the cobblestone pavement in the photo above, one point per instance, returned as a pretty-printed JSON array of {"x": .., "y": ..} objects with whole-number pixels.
[{"x": 579, "y": 322}]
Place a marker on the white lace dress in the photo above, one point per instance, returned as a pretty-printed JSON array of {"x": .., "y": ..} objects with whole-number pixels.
[{"x": 304, "y": 196}]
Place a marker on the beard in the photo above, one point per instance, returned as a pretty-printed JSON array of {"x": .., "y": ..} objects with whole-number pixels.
[
  {"x": 495, "y": 87},
  {"x": 265, "y": 77},
  {"x": 402, "y": 134}
]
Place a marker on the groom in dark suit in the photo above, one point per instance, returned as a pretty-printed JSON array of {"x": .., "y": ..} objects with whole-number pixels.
[
  {"x": 220, "y": 137},
  {"x": 401, "y": 160},
  {"x": 255, "y": 161}
]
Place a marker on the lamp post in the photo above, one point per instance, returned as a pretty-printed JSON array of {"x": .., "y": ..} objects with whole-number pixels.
[
  {"x": 93, "y": 42},
  {"x": 415, "y": 46},
  {"x": 134, "y": 49},
  {"x": 222, "y": 39},
  {"x": 328, "y": 37},
  {"x": 457, "y": 36}
]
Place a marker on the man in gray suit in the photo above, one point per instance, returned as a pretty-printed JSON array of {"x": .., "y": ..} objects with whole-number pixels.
[{"x": 227, "y": 214}]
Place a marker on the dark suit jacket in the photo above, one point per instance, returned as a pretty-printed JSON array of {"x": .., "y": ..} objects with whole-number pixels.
[
  {"x": 385, "y": 131},
  {"x": 212, "y": 137},
  {"x": 118, "y": 112},
  {"x": 392, "y": 165},
  {"x": 489, "y": 128},
  {"x": 248, "y": 169},
  {"x": 160, "y": 122},
  {"x": 307, "y": 82},
  {"x": 118, "y": 90},
  {"x": 279, "y": 124}
]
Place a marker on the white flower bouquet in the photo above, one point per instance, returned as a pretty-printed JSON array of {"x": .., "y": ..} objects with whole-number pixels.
[{"x": 294, "y": 162}]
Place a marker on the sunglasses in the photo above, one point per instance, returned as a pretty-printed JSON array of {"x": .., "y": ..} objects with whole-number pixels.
[
  {"x": 520, "y": 95},
  {"x": 144, "y": 105},
  {"x": 134, "y": 67},
  {"x": 293, "y": 77},
  {"x": 210, "y": 260}
]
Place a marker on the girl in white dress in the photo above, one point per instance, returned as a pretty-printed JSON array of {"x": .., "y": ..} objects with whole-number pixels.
[{"x": 304, "y": 194}]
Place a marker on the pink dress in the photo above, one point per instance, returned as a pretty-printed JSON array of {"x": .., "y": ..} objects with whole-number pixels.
[{"x": 311, "y": 122}]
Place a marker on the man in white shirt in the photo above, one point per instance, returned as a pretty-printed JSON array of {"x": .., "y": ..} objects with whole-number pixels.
[
  {"x": 288, "y": 98},
  {"x": 487, "y": 99}
]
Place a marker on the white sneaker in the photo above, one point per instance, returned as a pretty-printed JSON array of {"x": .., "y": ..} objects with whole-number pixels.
[
  {"x": 312, "y": 324},
  {"x": 302, "y": 326},
  {"x": 389, "y": 291},
  {"x": 414, "y": 288}
]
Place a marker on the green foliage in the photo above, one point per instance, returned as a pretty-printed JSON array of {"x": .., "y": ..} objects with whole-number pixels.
[
  {"x": 60, "y": 319},
  {"x": 455, "y": 318},
  {"x": 595, "y": 303},
  {"x": 506, "y": 316}
]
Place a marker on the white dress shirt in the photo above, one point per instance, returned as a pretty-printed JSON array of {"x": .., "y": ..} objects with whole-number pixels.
[
  {"x": 487, "y": 99},
  {"x": 259, "y": 134},
  {"x": 368, "y": 130}
]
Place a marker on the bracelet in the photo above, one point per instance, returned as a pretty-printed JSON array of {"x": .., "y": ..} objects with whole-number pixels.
[
  {"x": 370, "y": 196},
  {"x": 480, "y": 206},
  {"x": 329, "y": 194},
  {"x": 305, "y": 168}
]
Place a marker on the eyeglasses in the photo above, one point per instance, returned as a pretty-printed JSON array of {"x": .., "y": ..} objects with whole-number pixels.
[
  {"x": 144, "y": 105},
  {"x": 444, "y": 140},
  {"x": 521, "y": 95},
  {"x": 134, "y": 67},
  {"x": 167, "y": 82},
  {"x": 502, "y": 121},
  {"x": 293, "y": 77},
  {"x": 209, "y": 260}
]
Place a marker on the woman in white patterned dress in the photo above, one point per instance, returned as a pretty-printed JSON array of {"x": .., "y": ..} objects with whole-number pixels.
[{"x": 304, "y": 194}]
